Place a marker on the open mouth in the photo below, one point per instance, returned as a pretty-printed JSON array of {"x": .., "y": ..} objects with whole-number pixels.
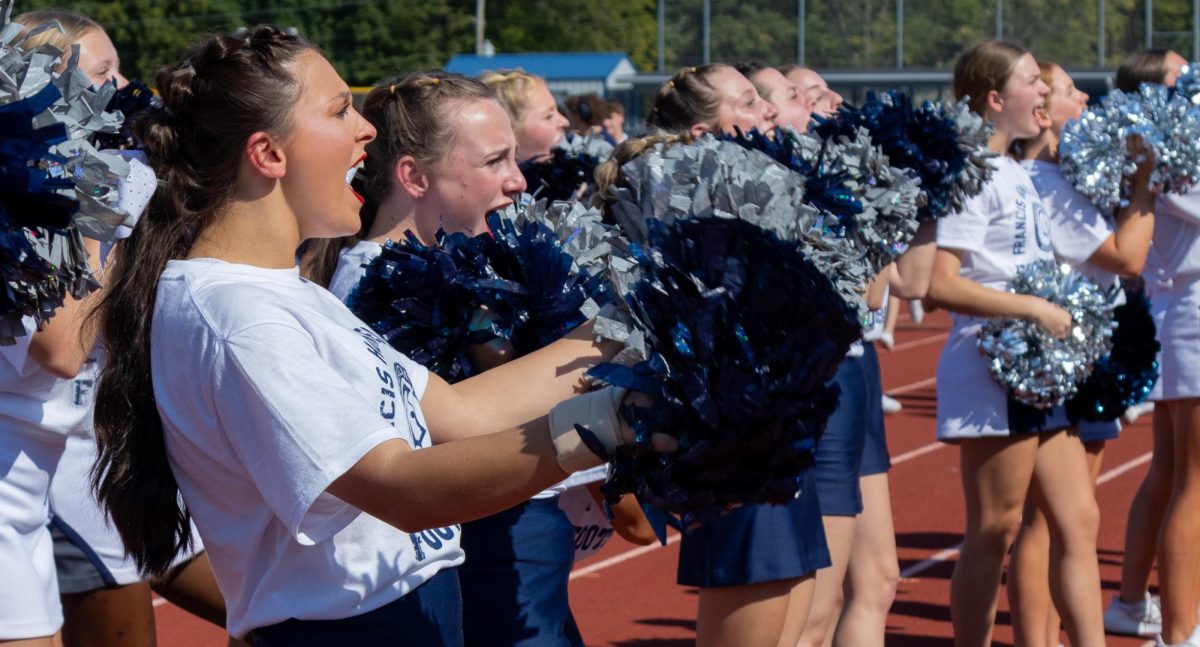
[{"x": 351, "y": 172}]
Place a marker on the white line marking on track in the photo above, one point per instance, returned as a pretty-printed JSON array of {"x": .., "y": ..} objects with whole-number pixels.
[
  {"x": 952, "y": 552},
  {"x": 932, "y": 339},
  {"x": 918, "y": 452},
  {"x": 915, "y": 386},
  {"x": 622, "y": 557},
  {"x": 158, "y": 602}
]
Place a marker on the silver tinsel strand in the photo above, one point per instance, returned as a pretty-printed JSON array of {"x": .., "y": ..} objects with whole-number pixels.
[{"x": 1034, "y": 367}]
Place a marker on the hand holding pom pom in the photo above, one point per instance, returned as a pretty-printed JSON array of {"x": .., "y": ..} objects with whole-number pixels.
[{"x": 1042, "y": 361}]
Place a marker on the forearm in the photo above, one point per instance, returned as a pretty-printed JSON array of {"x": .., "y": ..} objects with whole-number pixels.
[
  {"x": 454, "y": 482},
  {"x": 1135, "y": 229},
  {"x": 964, "y": 296},
  {"x": 518, "y": 391},
  {"x": 63, "y": 344},
  {"x": 915, "y": 266}
]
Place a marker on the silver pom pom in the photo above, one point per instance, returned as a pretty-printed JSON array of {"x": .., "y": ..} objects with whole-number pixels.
[
  {"x": 719, "y": 179},
  {"x": 1036, "y": 368}
]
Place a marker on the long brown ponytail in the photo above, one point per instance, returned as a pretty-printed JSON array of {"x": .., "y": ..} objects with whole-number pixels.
[{"x": 227, "y": 88}]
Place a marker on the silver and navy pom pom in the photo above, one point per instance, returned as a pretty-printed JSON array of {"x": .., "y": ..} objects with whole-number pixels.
[
  {"x": 945, "y": 144},
  {"x": 570, "y": 172},
  {"x": 710, "y": 178},
  {"x": 54, "y": 184},
  {"x": 851, "y": 179},
  {"x": 1036, "y": 368},
  {"x": 743, "y": 334},
  {"x": 1125, "y": 376}
]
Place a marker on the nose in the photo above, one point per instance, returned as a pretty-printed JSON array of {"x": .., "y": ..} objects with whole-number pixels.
[
  {"x": 836, "y": 100},
  {"x": 120, "y": 80},
  {"x": 515, "y": 183},
  {"x": 769, "y": 111},
  {"x": 366, "y": 130},
  {"x": 1084, "y": 97}
]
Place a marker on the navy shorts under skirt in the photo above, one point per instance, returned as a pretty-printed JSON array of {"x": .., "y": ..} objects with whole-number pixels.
[
  {"x": 514, "y": 579},
  {"x": 840, "y": 448},
  {"x": 1090, "y": 432},
  {"x": 875, "y": 451},
  {"x": 429, "y": 616},
  {"x": 756, "y": 543}
]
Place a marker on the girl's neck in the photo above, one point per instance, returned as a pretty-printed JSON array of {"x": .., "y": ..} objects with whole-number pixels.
[
  {"x": 397, "y": 214},
  {"x": 1000, "y": 141},
  {"x": 1043, "y": 148},
  {"x": 250, "y": 233}
]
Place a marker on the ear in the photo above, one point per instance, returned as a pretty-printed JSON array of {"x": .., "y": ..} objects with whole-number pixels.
[
  {"x": 265, "y": 156},
  {"x": 411, "y": 177},
  {"x": 1042, "y": 117},
  {"x": 699, "y": 129},
  {"x": 995, "y": 102}
]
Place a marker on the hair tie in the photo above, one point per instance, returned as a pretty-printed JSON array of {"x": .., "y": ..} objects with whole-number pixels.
[
  {"x": 671, "y": 84},
  {"x": 392, "y": 90},
  {"x": 436, "y": 81}
]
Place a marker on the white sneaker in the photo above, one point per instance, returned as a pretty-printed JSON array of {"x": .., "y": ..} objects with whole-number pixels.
[
  {"x": 1192, "y": 641},
  {"x": 1137, "y": 410},
  {"x": 888, "y": 340},
  {"x": 1142, "y": 619},
  {"x": 916, "y": 310},
  {"x": 890, "y": 404}
]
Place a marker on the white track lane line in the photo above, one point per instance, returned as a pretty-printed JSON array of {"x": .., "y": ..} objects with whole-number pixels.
[
  {"x": 642, "y": 550},
  {"x": 622, "y": 557},
  {"x": 932, "y": 339},
  {"x": 952, "y": 552}
]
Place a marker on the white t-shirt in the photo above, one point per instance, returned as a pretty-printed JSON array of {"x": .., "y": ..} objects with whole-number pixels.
[
  {"x": 1079, "y": 227},
  {"x": 1000, "y": 230},
  {"x": 351, "y": 266},
  {"x": 269, "y": 390},
  {"x": 1177, "y": 236},
  {"x": 34, "y": 401}
]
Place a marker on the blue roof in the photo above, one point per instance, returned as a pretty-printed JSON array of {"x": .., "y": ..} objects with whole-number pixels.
[{"x": 548, "y": 65}]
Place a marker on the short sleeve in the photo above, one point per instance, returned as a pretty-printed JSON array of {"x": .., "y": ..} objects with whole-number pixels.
[
  {"x": 1078, "y": 227},
  {"x": 967, "y": 230},
  {"x": 295, "y": 423}
]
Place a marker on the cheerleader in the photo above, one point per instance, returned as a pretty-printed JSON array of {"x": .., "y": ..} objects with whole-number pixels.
[
  {"x": 1133, "y": 610},
  {"x": 1104, "y": 250},
  {"x": 538, "y": 124},
  {"x": 1004, "y": 446},
  {"x": 824, "y": 100},
  {"x": 853, "y": 606},
  {"x": 515, "y": 584},
  {"x": 254, "y": 402},
  {"x": 754, "y": 565},
  {"x": 102, "y": 597}
]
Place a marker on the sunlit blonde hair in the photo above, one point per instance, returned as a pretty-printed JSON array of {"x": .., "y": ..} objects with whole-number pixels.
[{"x": 513, "y": 89}]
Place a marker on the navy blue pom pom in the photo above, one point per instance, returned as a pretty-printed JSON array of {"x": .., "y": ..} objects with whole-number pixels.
[
  {"x": 131, "y": 101},
  {"x": 945, "y": 144},
  {"x": 421, "y": 299},
  {"x": 744, "y": 334},
  {"x": 1125, "y": 376},
  {"x": 426, "y": 301}
]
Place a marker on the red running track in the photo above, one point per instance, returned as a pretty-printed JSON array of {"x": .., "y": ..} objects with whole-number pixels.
[{"x": 626, "y": 595}]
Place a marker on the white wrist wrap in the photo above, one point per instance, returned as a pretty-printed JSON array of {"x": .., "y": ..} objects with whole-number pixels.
[{"x": 595, "y": 410}]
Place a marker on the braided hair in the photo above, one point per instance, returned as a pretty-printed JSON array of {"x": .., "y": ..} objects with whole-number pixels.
[{"x": 226, "y": 89}]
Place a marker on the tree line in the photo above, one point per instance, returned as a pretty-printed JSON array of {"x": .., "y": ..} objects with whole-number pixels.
[{"x": 368, "y": 40}]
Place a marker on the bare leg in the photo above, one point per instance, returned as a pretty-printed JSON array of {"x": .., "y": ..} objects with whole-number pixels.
[
  {"x": 996, "y": 473},
  {"x": 1179, "y": 545},
  {"x": 1028, "y": 581},
  {"x": 118, "y": 616},
  {"x": 1146, "y": 512},
  {"x": 799, "y": 604},
  {"x": 1066, "y": 494},
  {"x": 827, "y": 599},
  {"x": 751, "y": 615},
  {"x": 45, "y": 641},
  {"x": 873, "y": 570}
]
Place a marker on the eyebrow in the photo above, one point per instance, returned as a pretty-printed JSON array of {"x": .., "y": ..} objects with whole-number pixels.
[{"x": 345, "y": 96}]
